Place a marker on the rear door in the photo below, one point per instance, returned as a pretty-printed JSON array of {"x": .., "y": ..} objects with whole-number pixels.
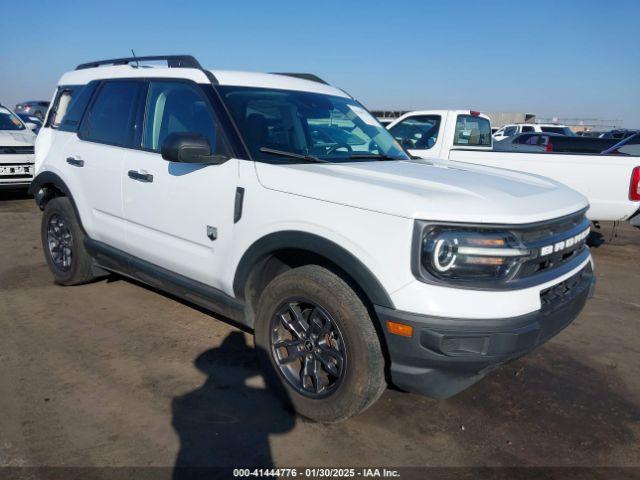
[
  {"x": 180, "y": 216},
  {"x": 94, "y": 157}
]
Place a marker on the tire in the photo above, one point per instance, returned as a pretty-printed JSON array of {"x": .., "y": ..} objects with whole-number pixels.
[
  {"x": 339, "y": 326},
  {"x": 63, "y": 244}
]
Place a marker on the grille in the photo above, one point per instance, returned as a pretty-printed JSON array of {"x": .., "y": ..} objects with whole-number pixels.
[
  {"x": 567, "y": 288},
  {"x": 16, "y": 150},
  {"x": 550, "y": 235}
]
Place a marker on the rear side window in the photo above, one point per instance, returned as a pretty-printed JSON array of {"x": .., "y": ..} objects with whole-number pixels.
[
  {"x": 473, "y": 131},
  {"x": 69, "y": 106},
  {"x": 111, "y": 117},
  {"x": 79, "y": 100},
  {"x": 419, "y": 132},
  {"x": 527, "y": 129}
]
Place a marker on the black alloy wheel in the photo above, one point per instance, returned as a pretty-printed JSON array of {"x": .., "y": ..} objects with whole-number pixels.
[
  {"x": 60, "y": 242},
  {"x": 308, "y": 348}
]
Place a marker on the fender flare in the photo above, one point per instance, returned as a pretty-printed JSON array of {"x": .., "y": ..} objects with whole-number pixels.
[
  {"x": 292, "y": 239},
  {"x": 50, "y": 178}
]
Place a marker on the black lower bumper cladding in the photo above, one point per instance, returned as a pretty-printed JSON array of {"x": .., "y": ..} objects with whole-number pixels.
[{"x": 444, "y": 356}]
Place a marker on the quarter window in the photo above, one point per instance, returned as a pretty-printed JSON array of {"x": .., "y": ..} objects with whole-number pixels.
[
  {"x": 178, "y": 107},
  {"x": 112, "y": 114}
]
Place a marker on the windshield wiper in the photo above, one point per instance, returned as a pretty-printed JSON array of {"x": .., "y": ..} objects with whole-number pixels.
[
  {"x": 379, "y": 156},
  {"x": 282, "y": 153}
]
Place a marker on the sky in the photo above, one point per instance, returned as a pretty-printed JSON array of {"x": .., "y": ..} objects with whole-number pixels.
[{"x": 558, "y": 58}]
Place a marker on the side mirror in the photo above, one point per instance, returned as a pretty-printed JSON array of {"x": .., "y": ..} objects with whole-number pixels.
[
  {"x": 31, "y": 126},
  {"x": 188, "y": 148}
]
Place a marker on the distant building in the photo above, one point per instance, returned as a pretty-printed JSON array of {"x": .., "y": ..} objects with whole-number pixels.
[{"x": 500, "y": 119}]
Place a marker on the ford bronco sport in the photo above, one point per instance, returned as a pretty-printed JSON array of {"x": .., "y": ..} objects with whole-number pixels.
[{"x": 278, "y": 201}]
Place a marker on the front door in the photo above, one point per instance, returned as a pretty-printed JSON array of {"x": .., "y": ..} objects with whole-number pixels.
[{"x": 180, "y": 216}]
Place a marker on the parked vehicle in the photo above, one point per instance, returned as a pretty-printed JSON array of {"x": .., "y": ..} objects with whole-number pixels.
[
  {"x": 463, "y": 136},
  {"x": 590, "y": 133},
  {"x": 619, "y": 134},
  {"x": 16, "y": 151},
  {"x": 552, "y": 142},
  {"x": 31, "y": 122},
  {"x": 37, "y": 108},
  {"x": 527, "y": 142},
  {"x": 342, "y": 255},
  {"x": 515, "y": 128}
]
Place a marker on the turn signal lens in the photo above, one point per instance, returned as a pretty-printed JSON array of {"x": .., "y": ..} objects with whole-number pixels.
[{"x": 399, "y": 329}]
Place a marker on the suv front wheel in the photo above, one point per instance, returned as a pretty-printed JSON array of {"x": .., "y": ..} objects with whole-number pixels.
[
  {"x": 63, "y": 244},
  {"x": 320, "y": 344}
]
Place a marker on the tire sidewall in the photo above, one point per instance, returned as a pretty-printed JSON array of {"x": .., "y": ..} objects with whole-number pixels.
[
  {"x": 62, "y": 207},
  {"x": 352, "y": 393}
]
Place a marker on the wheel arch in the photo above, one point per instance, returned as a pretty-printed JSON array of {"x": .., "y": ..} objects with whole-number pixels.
[{"x": 275, "y": 252}]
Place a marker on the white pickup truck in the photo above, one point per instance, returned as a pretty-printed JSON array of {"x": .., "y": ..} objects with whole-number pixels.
[{"x": 610, "y": 182}]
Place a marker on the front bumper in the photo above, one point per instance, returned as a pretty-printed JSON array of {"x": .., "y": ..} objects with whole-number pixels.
[{"x": 445, "y": 355}]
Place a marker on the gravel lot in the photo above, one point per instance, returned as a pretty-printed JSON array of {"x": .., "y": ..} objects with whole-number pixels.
[{"x": 117, "y": 374}]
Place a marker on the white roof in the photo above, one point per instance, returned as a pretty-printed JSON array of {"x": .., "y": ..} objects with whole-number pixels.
[{"x": 224, "y": 77}]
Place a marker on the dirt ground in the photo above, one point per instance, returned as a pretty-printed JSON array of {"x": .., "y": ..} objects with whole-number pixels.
[{"x": 116, "y": 374}]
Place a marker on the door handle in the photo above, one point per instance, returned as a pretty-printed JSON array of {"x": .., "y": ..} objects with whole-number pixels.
[
  {"x": 140, "y": 176},
  {"x": 76, "y": 162}
]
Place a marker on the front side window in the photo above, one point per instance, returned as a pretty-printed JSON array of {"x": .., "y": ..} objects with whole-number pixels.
[
  {"x": 418, "y": 132},
  {"x": 178, "y": 107},
  {"x": 330, "y": 128},
  {"x": 9, "y": 121},
  {"x": 473, "y": 131},
  {"x": 111, "y": 116}
]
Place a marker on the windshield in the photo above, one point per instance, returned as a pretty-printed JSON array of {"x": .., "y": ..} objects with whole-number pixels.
[
  {"x": 329, "y": 128},
  {"x": 9, "y": 121}
]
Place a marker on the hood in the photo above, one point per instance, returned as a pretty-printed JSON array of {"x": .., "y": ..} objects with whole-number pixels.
[
  {"x": 428, "y": 190},
  {"x": 21, "y": 138}
]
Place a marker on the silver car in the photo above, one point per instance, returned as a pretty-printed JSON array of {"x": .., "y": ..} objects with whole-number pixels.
[{"x": 526, "y": 142}]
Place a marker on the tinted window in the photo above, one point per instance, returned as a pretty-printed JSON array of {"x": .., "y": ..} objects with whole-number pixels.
[
  {"x": 472, "y": 131},
  {"x": 111, "y": 116},
  {"x": 70, "y": 119},
  {"x": 178, "y": 107},
  {"x": 560, "y": 130},
  {"x": 510, "y": 131},
  {"x": 418, "y": 133},
  {"x": 526, "y": 128}
]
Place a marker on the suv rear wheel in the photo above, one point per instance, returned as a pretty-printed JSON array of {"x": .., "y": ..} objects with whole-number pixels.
[
  {"x": 321, "y": 344},
  {"x": 63, "y": 244}
]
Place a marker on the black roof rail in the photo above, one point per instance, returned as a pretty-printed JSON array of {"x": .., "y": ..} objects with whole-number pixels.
[
  {"x": 173, "y": 61},
  {"x": 304, "y": 76}
]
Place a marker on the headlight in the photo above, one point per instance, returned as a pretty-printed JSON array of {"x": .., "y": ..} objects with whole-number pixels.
[{"x": 471, "y": 256}]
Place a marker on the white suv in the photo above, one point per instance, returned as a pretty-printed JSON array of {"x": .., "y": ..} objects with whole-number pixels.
[
  {"x": 279, "y": 202},
  {"x": 516, "y": 128}
]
